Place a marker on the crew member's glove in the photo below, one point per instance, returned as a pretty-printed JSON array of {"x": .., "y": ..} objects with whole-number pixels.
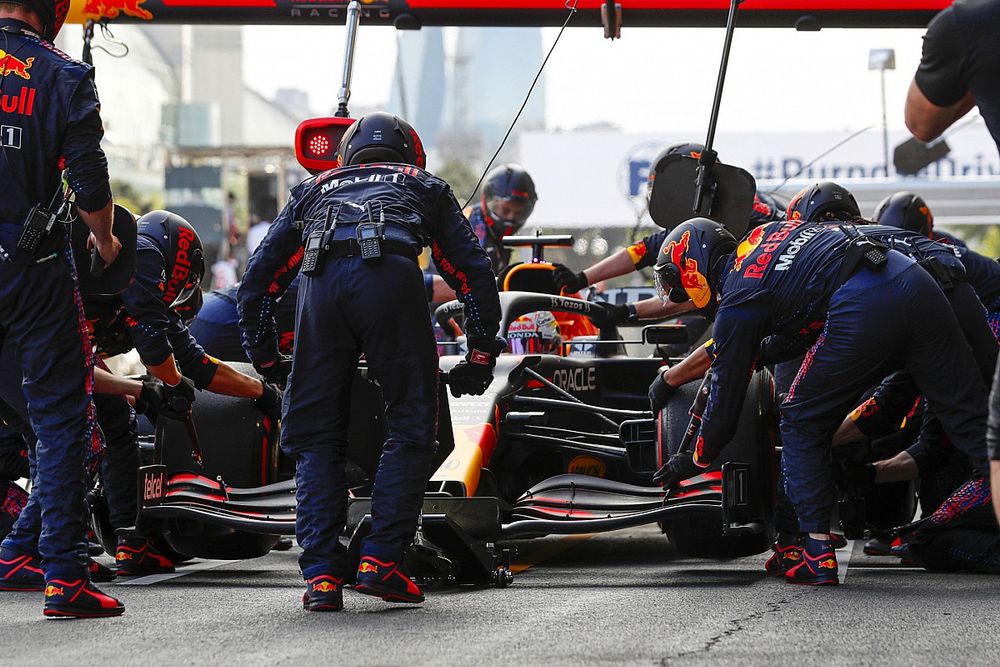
[
  {"x": 274, "y": 370},
  {"x": 567, "y": 281},
  {"x": 475, "y": 373},
  {"x": 623, "y": 314},
  {"x": 158, "y": 399},
  {"x": 659, "y": 393},
  {"x": 681, "y": 466},
  {"x": 270, "y": 401}
]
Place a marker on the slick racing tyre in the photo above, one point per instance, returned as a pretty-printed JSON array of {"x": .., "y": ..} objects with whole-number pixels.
[{"x": 753, "y": 443}]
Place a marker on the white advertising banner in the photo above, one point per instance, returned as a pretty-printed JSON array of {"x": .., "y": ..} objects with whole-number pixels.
[{"x": 595, "y": 178}]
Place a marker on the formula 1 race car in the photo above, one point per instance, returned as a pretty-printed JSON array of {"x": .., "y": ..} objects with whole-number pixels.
[{"x": 562, "y": 442}]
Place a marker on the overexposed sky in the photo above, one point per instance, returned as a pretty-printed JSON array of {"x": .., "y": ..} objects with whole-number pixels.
[{"x": 653, "y": 79}]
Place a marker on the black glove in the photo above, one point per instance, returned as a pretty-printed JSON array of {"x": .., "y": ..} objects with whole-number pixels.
[
  {"x": 158, "y": 399},
  {"x": 622, "y": 314},
  {"x": 275, "y": 370},
  {"x": 681, "y": 466},
  {"x": 270, "y": 401},
  {"x": 659, "y": 393},
  {"x": 568, "y": 281},
  {"x": 475, "y": 373}
]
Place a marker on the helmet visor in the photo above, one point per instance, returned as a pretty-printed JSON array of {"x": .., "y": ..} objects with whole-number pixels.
[{"x": 512, "y": 212}]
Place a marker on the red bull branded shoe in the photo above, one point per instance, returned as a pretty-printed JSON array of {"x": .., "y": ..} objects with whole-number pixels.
[
  {"x": 21, "y": 572},
  {"x": 818, "y": 565},
  {"x": 385, "y": 580},
  {"x": 137, "y": 557},
  {"x": 78, "y": 598},
  {"x": 100, "y": 573},
  {"x": 324, "y": 592},
  {"x": 787, "y": 554}
]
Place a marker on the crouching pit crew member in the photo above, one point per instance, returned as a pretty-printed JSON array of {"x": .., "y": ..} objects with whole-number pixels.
[
  {"x": 875, "y": 310},
  {"x": 39, "y": 311},
  {"x": 358, "y": 230}
]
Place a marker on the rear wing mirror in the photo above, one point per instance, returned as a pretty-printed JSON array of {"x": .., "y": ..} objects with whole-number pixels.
[
  {"x": 317, "y": 140},
  {"x": 665, "y": 334}
]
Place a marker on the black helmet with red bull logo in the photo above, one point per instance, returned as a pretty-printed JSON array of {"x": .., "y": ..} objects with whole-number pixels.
[
  {"x": 52, "y": 14},
  {"x": 823, "y": 201},
  {"x": 183, "y": 252},
  {"x": 381, "y": 137},
  {"x": 690, "y": 263},
  {"x": 687, "y": 149},
  {"x": 508, "y": 197},
  {"x": 905, "y": 210},
  {"x": 765, "y": 209}
]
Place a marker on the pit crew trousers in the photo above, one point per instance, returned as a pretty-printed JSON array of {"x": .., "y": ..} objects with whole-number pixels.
[
  {"x": 40, "y": 316},
  {"x": 378, "y": 309},
  {"x": 877, "y": 322}
]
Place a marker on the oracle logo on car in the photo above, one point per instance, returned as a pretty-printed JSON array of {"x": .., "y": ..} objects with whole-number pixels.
[{"x": 575, "y": 379}]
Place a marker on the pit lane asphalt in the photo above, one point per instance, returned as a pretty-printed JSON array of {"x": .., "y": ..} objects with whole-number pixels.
[{"x": 615, "y": 598}]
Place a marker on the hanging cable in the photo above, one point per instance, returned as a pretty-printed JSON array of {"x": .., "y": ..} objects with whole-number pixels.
[{"x": 571, "y": 6}]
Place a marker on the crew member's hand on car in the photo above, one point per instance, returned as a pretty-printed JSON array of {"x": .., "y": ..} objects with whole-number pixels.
[
  {"x": 274, "y": 368},
  {"x": 270, "y": 401},
  {"x": 158, "y": 399},
  {"x": 108, "y": 247},
  {"x": 681, "y": 466},
  {"x": 621, "y": 314},
  {"x": 568, "y": 281},
  {"x": 475, "y": 373},
  {"x": 660, "y": 392}
]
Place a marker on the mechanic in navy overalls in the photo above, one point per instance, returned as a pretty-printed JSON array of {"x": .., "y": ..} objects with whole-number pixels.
[
  {"x": 216, "y": 326},
  {"x": 878, "y": 311},
  {"x": 51, "y": 121},
  {"x": 363, "y": 226},
  {"x": 909, "y": 211},
  {"x": 506, "y": 200}
]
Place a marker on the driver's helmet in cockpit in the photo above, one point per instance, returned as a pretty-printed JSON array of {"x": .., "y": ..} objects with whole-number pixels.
[{"x": 537, "y": 333}]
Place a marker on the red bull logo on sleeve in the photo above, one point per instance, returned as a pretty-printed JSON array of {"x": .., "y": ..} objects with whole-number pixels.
[
  {"x": 11, "y": 64},
  {"x": 111, "y": 9},
  {"x": 693, "y": 280},
  {"x": 747, "y": 246}
]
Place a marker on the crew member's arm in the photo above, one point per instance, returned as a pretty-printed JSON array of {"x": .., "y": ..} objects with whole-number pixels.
[
  {"x": 271, "y": 269},
  {"x": 740, "y": 330},
  {"x": 693, "y": 367},
  {"x": 87, "y": 168},
  {"x": 938, "y": 95},
  {"x": 466, "y": 268},
  {"x": 106, "y": 382},
  {"x": 637, "y": 256},
  {"x": 654, "y": 308}
]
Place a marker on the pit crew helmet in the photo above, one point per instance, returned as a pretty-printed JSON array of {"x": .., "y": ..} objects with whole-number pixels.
[
  {"x": 184, "y": 254},
  {"x": 765, "y": 209},
  {"x": 689, "y": 149},
  {"x": 690, "y": 263},
  {"x": 906, "y": 211},
  {"x": 537, "y": 333},
  {"x": 381, "y": 137},
  {"x": 823, "y": 201},
  {"x": 508, "y": 197},
  {"x": 52, "y": 14}
]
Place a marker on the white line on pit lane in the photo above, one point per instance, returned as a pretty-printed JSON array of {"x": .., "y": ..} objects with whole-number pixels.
[
  {"x": 186, "y": 569},
  {"x": 846, "y": 552}
]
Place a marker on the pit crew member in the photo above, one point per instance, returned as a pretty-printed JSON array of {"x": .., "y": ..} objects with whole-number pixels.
[
  {"x": 813, "y": 277},
  {"x": 56, "y": 124},
  {"x": 358, "y": 230},
  {"x": 959, "y": 69},
  {"x": 506, "y": 201}
]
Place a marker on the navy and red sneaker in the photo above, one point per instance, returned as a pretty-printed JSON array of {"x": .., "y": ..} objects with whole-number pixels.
[
  {"x": 137, "y": 557},
  {"x": 100, "y": 573},
  {"x": 78, "y": 598},
  {"x": 878, "y": 546},
  {"x": 22, "y": 572},
  {"x": 385, "y": 579},
  {"x": 787, "y": 554},
  {"x": 818, "y": 566},
  {"x": 324, "y": 592}
]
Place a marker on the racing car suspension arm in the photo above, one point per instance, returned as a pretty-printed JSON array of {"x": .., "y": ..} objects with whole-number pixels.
[
  {"x": 565, "y": 394},
  {"x": 538, "y": 402}
]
